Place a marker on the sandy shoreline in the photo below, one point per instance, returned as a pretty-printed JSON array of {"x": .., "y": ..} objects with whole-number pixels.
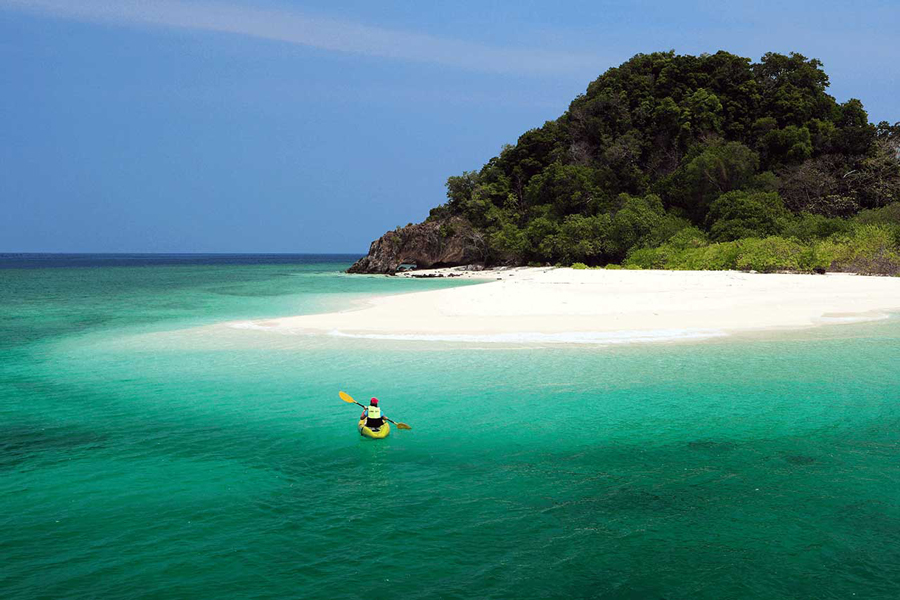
[{"x": 606, "y": 306}]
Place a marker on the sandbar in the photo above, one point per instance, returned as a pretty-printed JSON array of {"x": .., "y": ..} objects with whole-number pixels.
[{"x": 562, "y": 305}]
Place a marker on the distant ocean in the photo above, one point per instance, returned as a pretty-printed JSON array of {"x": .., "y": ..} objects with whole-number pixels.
[{"x": 148, "y": 450}]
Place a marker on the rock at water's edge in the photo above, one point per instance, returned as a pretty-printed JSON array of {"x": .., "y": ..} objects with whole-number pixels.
[{"x": 432, "y": 244}]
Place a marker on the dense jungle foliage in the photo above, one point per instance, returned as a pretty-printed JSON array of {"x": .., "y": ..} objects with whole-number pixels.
[{"x": 677, "y": 161}]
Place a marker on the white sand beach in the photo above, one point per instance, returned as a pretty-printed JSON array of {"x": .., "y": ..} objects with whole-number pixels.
[{"x": 606, "y": 306}]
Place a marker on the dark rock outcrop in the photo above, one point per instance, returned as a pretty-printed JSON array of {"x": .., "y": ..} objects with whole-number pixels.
[{"x": 432, "y": 244}]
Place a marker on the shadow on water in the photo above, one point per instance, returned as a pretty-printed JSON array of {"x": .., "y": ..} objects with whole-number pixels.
[
  {"x": 800, "y": 459},
  {"x": 20, "y": 444}
]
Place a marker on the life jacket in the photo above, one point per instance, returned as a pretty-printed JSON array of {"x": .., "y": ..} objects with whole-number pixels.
[{"x": 373, "y": 417}]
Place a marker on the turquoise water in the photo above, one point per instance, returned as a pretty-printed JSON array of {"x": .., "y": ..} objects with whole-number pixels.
[{"x": 149, "y": 451}]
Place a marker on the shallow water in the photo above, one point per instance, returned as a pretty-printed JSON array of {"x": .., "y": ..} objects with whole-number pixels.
[{"x": 147, "y": 450}]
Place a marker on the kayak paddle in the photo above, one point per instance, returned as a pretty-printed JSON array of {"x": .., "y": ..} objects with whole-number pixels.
[{"x": 348, "y": 398}]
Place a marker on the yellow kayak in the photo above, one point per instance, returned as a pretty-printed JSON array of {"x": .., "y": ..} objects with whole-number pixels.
[{"x": 376, "y": 434}]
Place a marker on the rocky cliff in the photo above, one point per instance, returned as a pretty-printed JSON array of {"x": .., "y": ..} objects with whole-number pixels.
[{"x": 432, "y": 244}]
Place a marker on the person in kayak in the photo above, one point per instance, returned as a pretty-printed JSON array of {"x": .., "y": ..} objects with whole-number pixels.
[{"x": 372, "y": 415}]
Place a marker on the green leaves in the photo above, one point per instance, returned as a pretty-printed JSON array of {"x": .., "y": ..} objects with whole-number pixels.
[
  {"x": 569, "y": 189},
  {"x": 634, "y": 223},
  {"x": 583, "y": 239},
  {"x": 787, "y": 146},
  {"x": 743, "y": 214},
  {"x": 704, "y": 113},
  {"x": 867, "y": 249},
  {"x": 717, "y": 169},
  {"x": 792, "y": 88},
  {"x": 714, "y": 141}
]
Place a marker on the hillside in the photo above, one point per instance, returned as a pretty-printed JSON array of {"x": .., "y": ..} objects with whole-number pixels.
[{"x": 678, "y": 161}]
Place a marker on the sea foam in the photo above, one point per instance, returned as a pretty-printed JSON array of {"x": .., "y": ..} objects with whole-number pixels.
[{"x": 573, "y": 337}]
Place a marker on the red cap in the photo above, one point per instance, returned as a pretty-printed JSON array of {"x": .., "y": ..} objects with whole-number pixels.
[{"x": 374, "y": 402}]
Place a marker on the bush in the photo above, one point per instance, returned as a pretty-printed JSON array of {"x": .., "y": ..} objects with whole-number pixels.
[
  {"x": 439, "y": 213},
  {"x": 867, "y": 249},
  {"x": 765, "y": 255},
  {"x": 648, "y": 258},
  {"x": 769, "y": 255},
  {"x": 817, "y": 257},
  {"x": 689, "y": 237},
  {"x": 870, "y": 249},
  {"x": 669, "y": 227},
  {"x": 580, "y": 266},
  {"x": 886, "y": 215},
  {"x": 808, "y": 227},
  {"x": 715, "y": 257}
]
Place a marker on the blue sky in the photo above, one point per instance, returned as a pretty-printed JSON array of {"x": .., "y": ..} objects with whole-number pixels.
[{"x": 275, "y": 126}]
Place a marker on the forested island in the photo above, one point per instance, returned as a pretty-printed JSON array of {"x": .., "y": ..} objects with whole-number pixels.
[{"x": 679, "y": 162}]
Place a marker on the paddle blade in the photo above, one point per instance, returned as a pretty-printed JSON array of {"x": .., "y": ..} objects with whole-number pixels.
[
  {"x": 346, "y": 397},
  {"x": 403, "y": 426}
]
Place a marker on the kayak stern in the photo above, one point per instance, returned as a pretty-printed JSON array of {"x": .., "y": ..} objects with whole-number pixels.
[{"x": 378, "y": 433}]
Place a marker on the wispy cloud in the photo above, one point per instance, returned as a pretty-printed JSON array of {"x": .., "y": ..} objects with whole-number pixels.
[{"x": 315, "y": 31}]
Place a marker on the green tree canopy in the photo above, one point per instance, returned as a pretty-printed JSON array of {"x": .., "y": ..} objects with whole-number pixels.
[
  {"x": 664, "y": 141},
  {"x": 741, "y": 214}
]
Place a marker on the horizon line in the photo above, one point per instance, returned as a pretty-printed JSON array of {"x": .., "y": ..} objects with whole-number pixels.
[{"x": 40, "y": 253}]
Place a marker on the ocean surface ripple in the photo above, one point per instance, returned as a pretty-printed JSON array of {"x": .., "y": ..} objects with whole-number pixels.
[{"x": 146, "y": 451}]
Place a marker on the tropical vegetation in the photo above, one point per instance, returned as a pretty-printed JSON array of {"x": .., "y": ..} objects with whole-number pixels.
[{"x": 694, "y": 162}]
